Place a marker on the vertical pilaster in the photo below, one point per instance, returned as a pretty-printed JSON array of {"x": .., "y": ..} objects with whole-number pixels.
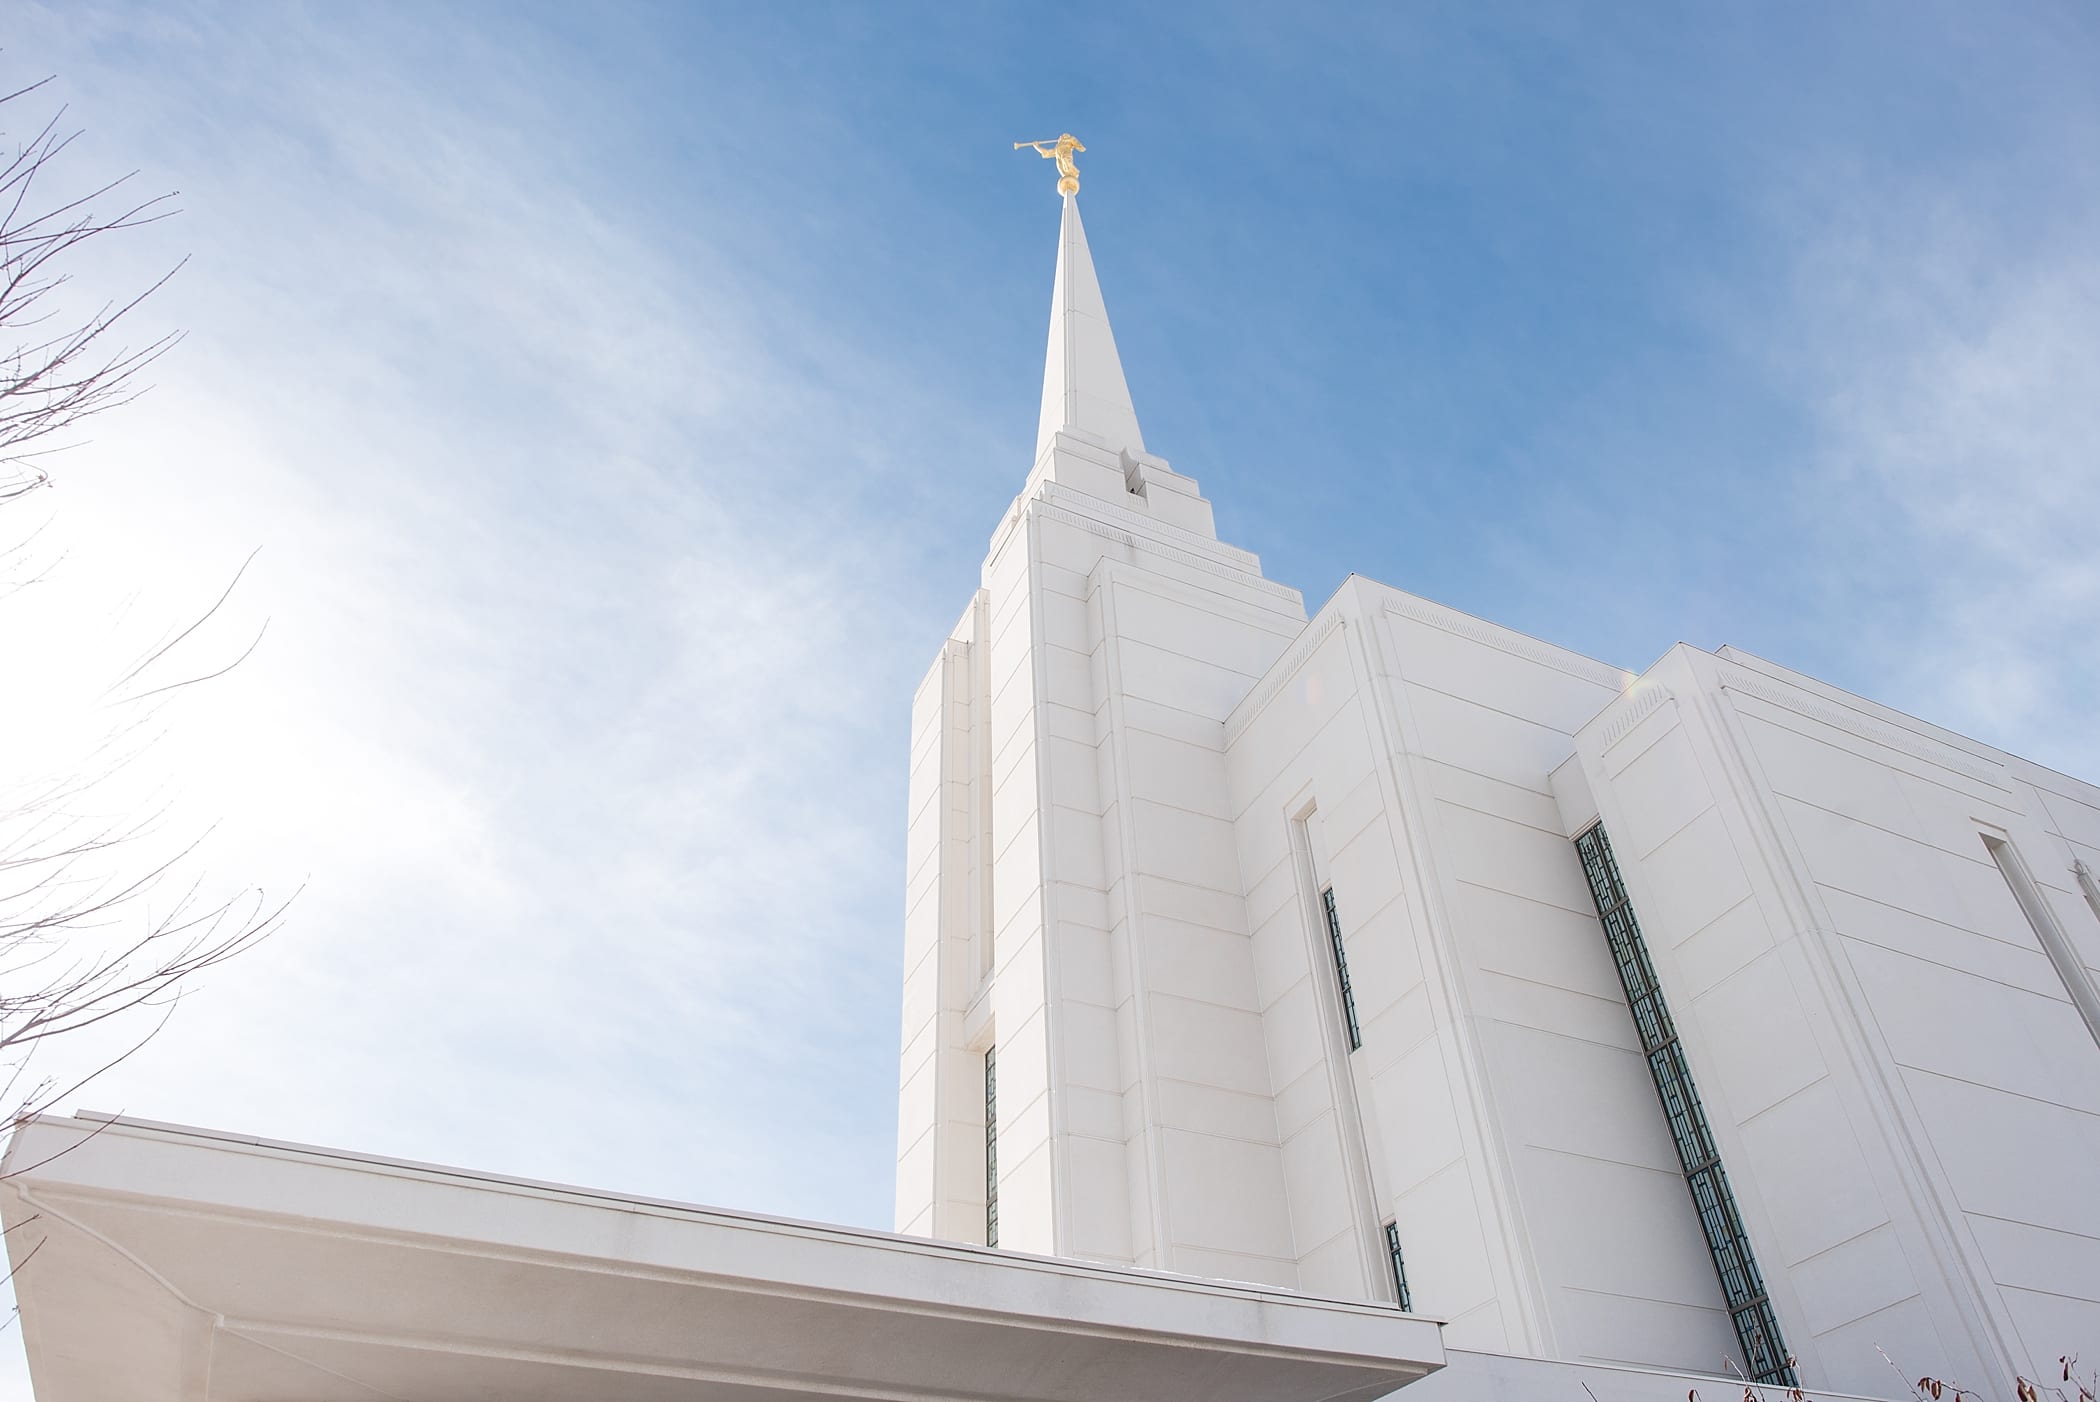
[{"x": 940, "y": 1119}]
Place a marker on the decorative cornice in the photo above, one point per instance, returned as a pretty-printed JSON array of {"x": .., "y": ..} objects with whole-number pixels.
[
  {"x": 2088, "y": 886},
  {"x": 1286, "y": 667},
  {"x": 1246, "y": 579},
  {"x": 1640, "y": 703},
  {"x": 1502, "y": 639},
  {"x": 1917, "y": 746},
  {"x": 1145, "y": 525}
]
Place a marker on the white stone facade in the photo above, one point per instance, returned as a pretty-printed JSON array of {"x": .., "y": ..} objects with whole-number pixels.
[{"x": 1136, "y": 768}]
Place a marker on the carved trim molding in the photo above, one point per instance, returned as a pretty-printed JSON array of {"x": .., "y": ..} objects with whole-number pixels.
[
  {"x": 1838, "y": 718},
  {"x": 1088, "y": 504},
  {"x": 1287, "y": 666},
  {"x": 1643, "y": 701},
  {"x": 1501, "y": 639},
  {"x": 1096, "y": 526},
  {"x": 2088, "y": 886}
]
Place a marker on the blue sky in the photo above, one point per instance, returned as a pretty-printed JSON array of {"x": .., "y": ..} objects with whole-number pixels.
[{"x": 622, "y": 398}]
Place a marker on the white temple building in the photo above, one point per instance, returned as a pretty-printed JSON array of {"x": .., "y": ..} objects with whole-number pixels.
[
  {"x": 1390, "y": 955},
  {"x": 1295, "y": 1009}
]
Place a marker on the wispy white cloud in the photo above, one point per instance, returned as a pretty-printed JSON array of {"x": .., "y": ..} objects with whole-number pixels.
[
  {"x": 1947, "y": 349},
  {"x": 581, "y": 705}
]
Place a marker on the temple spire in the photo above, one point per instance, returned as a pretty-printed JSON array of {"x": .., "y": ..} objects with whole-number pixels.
[{"x": 1083, "y": 389}]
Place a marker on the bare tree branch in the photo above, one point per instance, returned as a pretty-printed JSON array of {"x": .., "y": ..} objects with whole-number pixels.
[
  {"x": 95, "y": 928},
  {"x": 163, "y": 649},
  {"x": 56, "y": 371}
]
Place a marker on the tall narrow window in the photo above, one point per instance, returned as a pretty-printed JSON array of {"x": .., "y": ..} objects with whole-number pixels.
[
  {"x": 1341, "y": 968},
  {"x": 1392, "y": 1251},
  {"x": 991, "y": 1146},
  {"x": 1749, "y": 1307},
  {"x": 2055, "y": 943}
]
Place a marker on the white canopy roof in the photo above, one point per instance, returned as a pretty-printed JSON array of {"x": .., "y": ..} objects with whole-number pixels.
[{"x": 196, "y": 1266}]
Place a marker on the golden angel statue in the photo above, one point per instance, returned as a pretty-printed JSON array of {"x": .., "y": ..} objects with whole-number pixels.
[{"x": 1060, "y": 151}]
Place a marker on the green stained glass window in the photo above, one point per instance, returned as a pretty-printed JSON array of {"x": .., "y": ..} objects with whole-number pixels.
[
  {"x": 991, "y": 1146},
  {"x": 1749, "y": 1307},
  {"x": 1392, "y": 1251},
  {"x": 1341, "y": 968}
]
